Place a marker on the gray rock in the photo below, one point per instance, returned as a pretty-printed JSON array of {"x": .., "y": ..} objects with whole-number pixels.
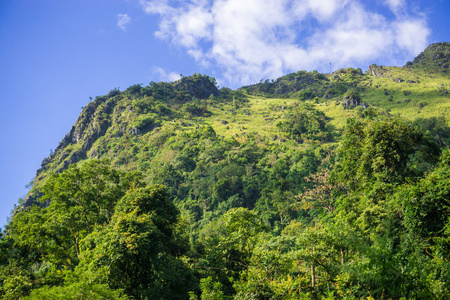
[{"x": 350, "y": 102}]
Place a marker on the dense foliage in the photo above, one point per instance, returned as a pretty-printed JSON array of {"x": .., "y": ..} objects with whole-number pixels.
[
  {"x": 370, "y": 220},
  {"x": 168, "y": 192}
]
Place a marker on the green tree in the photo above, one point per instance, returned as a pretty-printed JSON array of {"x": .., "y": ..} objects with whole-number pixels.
[
  {"x": 426, "y": 211},
  {"x": 378, "y": 158},
  {"x": 211, "y": 290},
  {"x": 136, "y": 250},
  {"x": 79, "y": 199},
  {"x": 427, "y": 204},
  {"x": 228, "y": 244},
  {"x": 305, "y": 122},
  {"x": 78, "y": 290},
  {"x": 387, "y": 150},
  {"x": 437, "y": 128}
]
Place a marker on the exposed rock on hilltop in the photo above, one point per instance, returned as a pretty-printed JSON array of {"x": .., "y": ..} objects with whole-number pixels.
[
  {"x": 351, "y": 100},
  {"x": 92, "y": 123},
  {"x": 378, "y": 71}
]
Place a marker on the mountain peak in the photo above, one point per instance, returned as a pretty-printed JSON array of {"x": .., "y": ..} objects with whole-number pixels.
[{"x": 436, "y": 57}]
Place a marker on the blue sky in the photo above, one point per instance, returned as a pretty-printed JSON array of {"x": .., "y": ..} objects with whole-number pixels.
[{"x": 56, "y": 54}]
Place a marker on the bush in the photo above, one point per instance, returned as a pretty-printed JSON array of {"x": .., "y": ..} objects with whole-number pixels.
[{"x": 144, "y": 124}]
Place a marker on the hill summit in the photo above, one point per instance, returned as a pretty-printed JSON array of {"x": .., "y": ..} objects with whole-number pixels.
[{"x": 435, "y": 57}]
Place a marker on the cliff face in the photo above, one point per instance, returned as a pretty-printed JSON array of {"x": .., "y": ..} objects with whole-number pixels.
[
  {"x": 93, "y": 122},
  {"x": 122, "y": 115}
]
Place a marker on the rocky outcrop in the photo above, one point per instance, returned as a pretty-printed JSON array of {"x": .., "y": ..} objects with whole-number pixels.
[
  {"x": 350, "y": 102},
  {"x": 378, "y": 71},
  {"x": 92, "y": 123},
  {"x": 436, "y": 56}
]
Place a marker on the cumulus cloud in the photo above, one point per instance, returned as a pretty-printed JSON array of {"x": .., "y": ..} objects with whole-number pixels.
[
  {"x": 254, "y": 39},
  {"x": 122, "y": 20},
  {"x": 411, "y": 35},
  {"x": 164, "y": 75}
]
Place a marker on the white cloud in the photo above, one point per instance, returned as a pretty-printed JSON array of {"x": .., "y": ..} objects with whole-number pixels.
[
  {"x": 163, "y": 75},
  {"x": 357, "y": 36},
  {"x": 253, "y": 39},
  {"x": 157, "y": 7},
  {"x": 395, "y": 5},
  {"x": 322, "y": 9},
  {"x": 123, "y": 19},
  {"x": 412, "y": 35}
]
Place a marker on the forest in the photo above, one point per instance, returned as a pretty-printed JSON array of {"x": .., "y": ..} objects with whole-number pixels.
[{"x": 311, "y": 186}]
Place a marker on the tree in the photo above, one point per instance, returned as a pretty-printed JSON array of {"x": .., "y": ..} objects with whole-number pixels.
[
  {"x": 79, "y": 290},
  {"x": 79, "y": 199},
  {"x": 437, "y": 127},
  {"x": 305, "y": 122},
  {"x": 379, "y": 157},
  {"x": 386, "y": 150},
  {"x": 135, "y": 251},
  {"x": 427, "y": 204},
  {"x": 228, "y": 244},
  {"x": 321, "y": 195}
]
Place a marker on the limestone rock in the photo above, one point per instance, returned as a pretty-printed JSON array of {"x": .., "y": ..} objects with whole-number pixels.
[{"x": 350, "y": 102}]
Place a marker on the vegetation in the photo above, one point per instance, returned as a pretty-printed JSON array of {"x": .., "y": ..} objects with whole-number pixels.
[{"x": 274, "y": 191}]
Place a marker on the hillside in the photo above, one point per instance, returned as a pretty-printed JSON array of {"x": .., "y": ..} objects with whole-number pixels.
[
  {"x": 292, "y": 188},
  {"x": 122, "y": 126}
]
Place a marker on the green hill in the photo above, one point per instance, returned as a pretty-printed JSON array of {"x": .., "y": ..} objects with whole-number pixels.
[
  {"x": 300, "y": 187},
  {"x": 122, "y": 125}
]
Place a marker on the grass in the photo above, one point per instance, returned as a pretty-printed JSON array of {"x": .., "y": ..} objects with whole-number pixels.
[
  {"x": 257, "y": 115},
  {"x": 425, "y": 95},
  {"x": 418, "y": 94}
]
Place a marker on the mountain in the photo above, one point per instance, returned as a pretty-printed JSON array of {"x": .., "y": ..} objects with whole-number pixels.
[
  {"x": 419, "y": 89},
  {"x": 289, "y": 178}
]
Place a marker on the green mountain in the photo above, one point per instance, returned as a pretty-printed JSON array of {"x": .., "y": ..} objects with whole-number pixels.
[
  {"x": 307, "y": 186},
  {"x": 435, "y": 59},
  {"x": 132, "y": 127}
]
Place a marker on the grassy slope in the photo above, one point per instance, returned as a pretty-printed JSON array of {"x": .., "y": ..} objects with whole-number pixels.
[
  {"x": 423, "y": 99},
  {"x": 260, "y": 114},
  {"x": 426, "y": 97},
  {"x": 412, "y": 100}
]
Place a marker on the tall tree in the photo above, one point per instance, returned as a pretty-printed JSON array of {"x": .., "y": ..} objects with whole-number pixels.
[
  {"x": 78, "y": 199},
  {"x": 135, "y": 251}
]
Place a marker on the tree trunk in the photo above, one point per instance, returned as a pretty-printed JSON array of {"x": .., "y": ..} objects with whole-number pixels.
[{"x": 77, "y": 249}]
